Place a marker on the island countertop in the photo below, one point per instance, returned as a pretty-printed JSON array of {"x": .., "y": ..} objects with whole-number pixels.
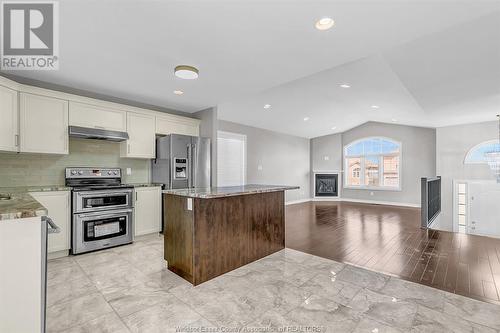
[{"x": 228, "y": 191}]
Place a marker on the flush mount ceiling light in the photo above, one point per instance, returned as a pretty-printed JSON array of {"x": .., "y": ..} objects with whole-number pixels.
[
  {"x": 394, "y": 120},
  {"x": 344, "y": 85},
  {"x": 178, "y": 92},
  {"x": 306, "y": 118},
  {"x": 375, "y": 106},
  {"x": 186, "y": 72},
  {"x": 324, "y": 23},
  {"x": 267, "y": 106}
]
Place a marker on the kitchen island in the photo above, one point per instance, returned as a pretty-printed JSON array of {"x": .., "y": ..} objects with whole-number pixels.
[{"x": 211, "y": 231}]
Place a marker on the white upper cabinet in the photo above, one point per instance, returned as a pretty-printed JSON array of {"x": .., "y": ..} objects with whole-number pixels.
[
  {"x": 93, "y": 116},
  {"x": 177, "y": 125},
  {"x": 141, "y": 131},
  {"x": 9, "y": 115},
  {"x": 43, "y": 124}
]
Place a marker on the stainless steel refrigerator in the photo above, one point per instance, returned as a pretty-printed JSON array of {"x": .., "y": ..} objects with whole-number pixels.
[{"x": 182, "y": 162}]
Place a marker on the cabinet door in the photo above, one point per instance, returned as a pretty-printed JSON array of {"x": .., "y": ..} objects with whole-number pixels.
[
  {"x": 141, "y": 131},
  {"x": 9, "y": 114},
  {"x": 86, "y": 115},
  {"x": 167, "y": 126},
  {"x": 147, "y": 210},
  {"x": 44, "y": 124},
  {"x": 57, "y": 204}
]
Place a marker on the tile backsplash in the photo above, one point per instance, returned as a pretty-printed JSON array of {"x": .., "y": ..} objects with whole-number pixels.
[{"x": 42, "y": 169}]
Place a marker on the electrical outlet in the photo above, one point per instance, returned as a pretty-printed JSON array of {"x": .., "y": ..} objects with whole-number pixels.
[
  {"x": 129, "y": 171},
  {"x": 327, "y": 158},
  {"x": 372, "y": 194}
]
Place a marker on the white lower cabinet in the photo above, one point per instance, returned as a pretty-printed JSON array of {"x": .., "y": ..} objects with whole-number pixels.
[
  {"x": 58, "y": 206},
  {"x": 147, "y": 211}
]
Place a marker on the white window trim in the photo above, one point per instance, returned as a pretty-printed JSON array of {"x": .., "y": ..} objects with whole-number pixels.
[
  {"x": 474, "y": 148},
  {"x": 236, "y": 136},
  {"x": 399, "y": 188}
]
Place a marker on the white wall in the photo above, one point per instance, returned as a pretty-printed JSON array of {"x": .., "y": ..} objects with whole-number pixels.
[
  {"x": 452, "y": 144},
  {"x": 284, "y": 158}
]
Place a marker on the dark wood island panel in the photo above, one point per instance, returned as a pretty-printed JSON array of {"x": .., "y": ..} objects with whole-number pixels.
[{"x": 221, "y": 234}]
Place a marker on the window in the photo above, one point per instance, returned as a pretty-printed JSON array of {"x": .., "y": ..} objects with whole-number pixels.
[
  {"x": 231, "y": 159},
  {"x": 476, "y": 154},
  {"x": 373, "y": 163}
]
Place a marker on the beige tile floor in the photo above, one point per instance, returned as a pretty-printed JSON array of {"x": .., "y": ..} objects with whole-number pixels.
[{"x": 128, "y": 289}]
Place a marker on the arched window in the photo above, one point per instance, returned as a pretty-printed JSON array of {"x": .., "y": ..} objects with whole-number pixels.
[
  {"x": 372, "y": 163},
  {"x": 476, "y": 154}
]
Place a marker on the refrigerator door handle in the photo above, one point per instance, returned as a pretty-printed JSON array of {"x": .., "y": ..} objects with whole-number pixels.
[
  {"x": 194, "y": 166},
  {"x": 189, "y": 165}
]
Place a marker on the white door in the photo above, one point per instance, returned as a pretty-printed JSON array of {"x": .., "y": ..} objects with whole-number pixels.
[
  {"x": 9, "y": 114},
  {"x": 484, "y": 208},
  {"x": 231, "y": 159},
  {"x": 141, "y": 131},
  {"x": 44, "y": 124},
  {"x": 57, "y": 204},
  {"x": 147, "y": 210}
]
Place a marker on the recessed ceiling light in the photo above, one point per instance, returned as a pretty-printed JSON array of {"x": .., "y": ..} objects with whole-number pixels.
[
  {"x": 178, "y": 92},
  {"x": 394, "y": 120},
  {"x": 325, "y": 23},
  {"x": 345, "y": 86},
  {"x": 334, "y": 127},
  {"x": 267, "y": 106},
  {"x": 306, "y": 118},
  {"x": 375, "y": 106},
  {"x": 186, "y": 72}
]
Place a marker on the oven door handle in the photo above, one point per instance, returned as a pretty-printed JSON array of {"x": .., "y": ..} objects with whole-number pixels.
[
  {"x": 54, "y": 229},
  {"x": 101, "y": 215},
  {"x": 102, "y": 194}
]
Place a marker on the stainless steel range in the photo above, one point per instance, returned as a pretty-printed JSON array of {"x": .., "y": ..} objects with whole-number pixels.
[{"x": 102, "y": 209}]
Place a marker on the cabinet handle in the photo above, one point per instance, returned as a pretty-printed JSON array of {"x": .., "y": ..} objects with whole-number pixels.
[
  {"x": 136, "y": 196},
  {"x": 16, "y": 139}
]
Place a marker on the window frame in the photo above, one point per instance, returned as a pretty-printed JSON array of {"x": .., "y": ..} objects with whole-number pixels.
[
  {"x": 381, "y": 166},
  {"x": 471, "y": 150}
]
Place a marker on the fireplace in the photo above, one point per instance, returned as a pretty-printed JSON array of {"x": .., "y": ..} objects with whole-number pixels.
[{"x": 326, "y": 184}]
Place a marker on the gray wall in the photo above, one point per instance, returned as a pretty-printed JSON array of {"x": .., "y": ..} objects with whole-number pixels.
[
  {"x": 326, "y": 153},
  {"x": 208, "y": 129},
  {"x": 418, "y": 159},
  {"x": 452, "y": 144},
  {"x": 46, "y": 169},
  {"x": 284, "y": 158}
]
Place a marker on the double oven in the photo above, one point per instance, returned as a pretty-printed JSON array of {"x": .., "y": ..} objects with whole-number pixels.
[{"x": 102, "y": 209}]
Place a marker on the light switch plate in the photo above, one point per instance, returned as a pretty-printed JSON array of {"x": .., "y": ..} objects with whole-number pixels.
[
  {"x": 129, "y": 171},
  {"x": 189, "y": 204},
  {"x": 259, "y": 167},
  {"x": 327, "y": 158}
]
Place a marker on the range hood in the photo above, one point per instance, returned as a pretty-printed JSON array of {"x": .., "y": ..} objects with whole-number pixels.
[{"x": 97, "y": 134}]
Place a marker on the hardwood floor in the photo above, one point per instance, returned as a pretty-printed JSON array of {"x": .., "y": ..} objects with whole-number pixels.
[{"x": 389, "y": 239}]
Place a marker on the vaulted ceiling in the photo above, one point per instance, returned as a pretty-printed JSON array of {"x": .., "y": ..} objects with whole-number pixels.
[{"x": 425, "y": 63}]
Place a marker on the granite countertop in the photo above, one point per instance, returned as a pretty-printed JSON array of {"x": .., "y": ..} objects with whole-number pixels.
[
  {"x": 220, "y": 192},
  {"x": 20, "y": 205}
]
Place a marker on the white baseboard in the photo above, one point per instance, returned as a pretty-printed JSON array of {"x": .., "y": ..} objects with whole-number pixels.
[
  {"x": 326, "y": 199},
  {"x": 388, "y": 203},
  {"x": 297, "y": 201},
  {"x": 373, "y": 202}
]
